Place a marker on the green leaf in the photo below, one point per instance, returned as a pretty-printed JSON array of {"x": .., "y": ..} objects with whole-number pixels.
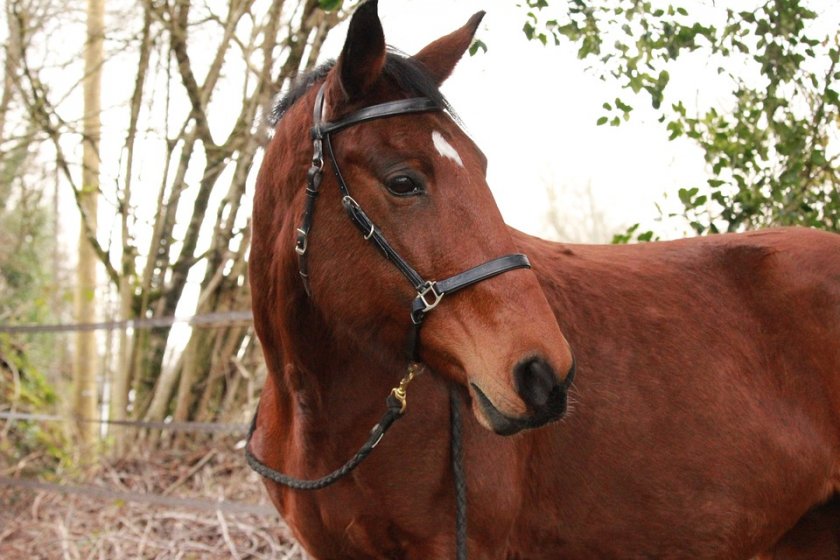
[
  {"x": 330, "y": 5},
  {"x": 602, "y": 121},
  {"x": 528, "y": 29},
  {"x": 622, "y": 106},
  {"x": 477, "y": 45},
  {"x": 818, "y": 158},
  {"x": 624, "y": 238}
]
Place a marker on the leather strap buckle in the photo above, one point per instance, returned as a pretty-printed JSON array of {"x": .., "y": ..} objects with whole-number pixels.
[{"x": 429, "y": 288}]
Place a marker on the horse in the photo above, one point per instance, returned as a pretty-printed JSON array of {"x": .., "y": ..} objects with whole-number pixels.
[{"x": 704, "y": 416}]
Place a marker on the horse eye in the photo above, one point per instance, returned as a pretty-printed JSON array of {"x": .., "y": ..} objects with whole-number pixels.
[{"x": 404, "y": 185}]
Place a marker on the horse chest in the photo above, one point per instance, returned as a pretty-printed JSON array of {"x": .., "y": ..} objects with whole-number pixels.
[{"x": 361, "y": 527}]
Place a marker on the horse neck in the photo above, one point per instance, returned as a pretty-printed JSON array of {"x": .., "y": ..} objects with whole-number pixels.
[
  {"x": 320, "y": 369},
  {"x": 329, "y": 376}
]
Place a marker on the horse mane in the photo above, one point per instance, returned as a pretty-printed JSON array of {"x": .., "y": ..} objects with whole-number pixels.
[{"x": 409, "y": 76}]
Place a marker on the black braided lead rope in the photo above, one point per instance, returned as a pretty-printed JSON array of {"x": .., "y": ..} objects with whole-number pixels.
[
  {"x": 459, "y": 474},
  {"x": 395, "y": 411}
]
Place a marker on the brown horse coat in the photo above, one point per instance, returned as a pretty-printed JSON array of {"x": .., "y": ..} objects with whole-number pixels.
[{"x": 704, "y": 420}]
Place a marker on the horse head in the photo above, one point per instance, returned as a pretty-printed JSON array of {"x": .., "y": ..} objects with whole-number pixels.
[{"x": 421, "y": 182}]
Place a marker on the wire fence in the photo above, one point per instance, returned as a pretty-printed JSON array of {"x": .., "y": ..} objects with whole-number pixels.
[
  {"x": 112, "y": 495},
  {"x": 175, "y": 426},
  {"x": 221, "y": 318},
  {"x": 226, "y": 318}
]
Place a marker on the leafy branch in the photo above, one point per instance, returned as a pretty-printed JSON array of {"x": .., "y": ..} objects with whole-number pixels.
[{"x": 773, "y": 156}]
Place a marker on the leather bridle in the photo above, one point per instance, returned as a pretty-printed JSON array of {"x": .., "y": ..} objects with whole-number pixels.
[
  {"x": 429, "y": 292},
  {"x": 429, "y": 295}
]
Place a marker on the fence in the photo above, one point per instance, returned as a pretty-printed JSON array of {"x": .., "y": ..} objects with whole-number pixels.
[
  {"x": 110, "y": 494},
  {"x": 206, "y": 319}
]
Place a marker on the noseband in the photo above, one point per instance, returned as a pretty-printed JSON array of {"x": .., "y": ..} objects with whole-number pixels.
[{"x": 429, "y": 293}]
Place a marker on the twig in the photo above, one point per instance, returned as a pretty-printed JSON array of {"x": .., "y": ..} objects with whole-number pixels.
[
  {"x": 294, "y": 551},
  {"x": 198, "y": 466},
  {"x": 226, "y": 535},
  {"x": 64, "y": 535}
]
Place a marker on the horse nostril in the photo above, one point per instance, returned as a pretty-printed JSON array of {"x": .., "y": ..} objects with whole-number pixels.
[{"x": 536, "y": 383}]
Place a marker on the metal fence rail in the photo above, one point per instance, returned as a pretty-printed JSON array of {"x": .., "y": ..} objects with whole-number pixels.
[
  {"x": 207, "y": 427},
  {"x": 108, "y": 494},
  {"x": 203, "y": 320}
]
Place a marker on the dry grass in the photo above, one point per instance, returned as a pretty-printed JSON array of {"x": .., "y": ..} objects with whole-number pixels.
[{"x": 35, "y": 524}]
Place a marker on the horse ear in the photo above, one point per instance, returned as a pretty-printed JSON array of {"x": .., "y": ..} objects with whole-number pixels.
[
  {"x": 363, "y": 55},
  {"x": 441, "y": 56}
]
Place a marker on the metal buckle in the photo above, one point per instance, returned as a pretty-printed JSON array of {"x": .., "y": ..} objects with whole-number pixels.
[
  {"x": 348, "y": 200},
  {"x": 430, "y": 286},
  {"x": 318, "y": 154},
  {"x": 300, "y": 245}
]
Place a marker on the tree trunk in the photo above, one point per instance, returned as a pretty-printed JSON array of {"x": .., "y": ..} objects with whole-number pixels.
[
  {"x": 121, "y": 378},
  {"x": 86, "y": 362}
]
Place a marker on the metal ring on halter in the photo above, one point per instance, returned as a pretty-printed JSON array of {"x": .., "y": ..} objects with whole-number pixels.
[{"x": 370, "y": 233}]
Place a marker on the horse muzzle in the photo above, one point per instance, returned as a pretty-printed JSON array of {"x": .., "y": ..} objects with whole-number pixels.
[{"x": 537, "y": 385}]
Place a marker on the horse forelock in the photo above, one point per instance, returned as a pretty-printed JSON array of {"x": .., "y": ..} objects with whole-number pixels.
[{"x": 408, "y": 75}]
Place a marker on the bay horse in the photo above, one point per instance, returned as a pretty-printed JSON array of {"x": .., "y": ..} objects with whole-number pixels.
[{"x": 705, "y": 414}]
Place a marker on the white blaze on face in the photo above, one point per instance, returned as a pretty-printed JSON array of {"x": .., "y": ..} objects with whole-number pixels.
[{"x": 445, "y": 149}]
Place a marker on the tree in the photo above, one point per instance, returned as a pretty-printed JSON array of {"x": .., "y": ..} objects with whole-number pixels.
[
  {"x": 772, "y": 151},
  {"x": 29, "y": 270},
  {"x": 86, "y": 361},
  {"x": 195, "y": 80}
]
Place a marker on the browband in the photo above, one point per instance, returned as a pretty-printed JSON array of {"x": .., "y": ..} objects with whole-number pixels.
[{"x": 389, "y": 109}]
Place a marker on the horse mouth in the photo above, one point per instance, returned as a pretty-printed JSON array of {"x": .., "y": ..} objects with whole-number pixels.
[{"x": 505, "y": 425}]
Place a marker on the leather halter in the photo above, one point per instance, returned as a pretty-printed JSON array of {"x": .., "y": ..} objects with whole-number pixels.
[
  {"x": 429, "y": 295},
  {"x": 429, "y": 292}
]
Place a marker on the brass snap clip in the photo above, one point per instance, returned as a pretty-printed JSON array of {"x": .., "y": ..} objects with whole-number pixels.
[{"x": 399, "y": 392}]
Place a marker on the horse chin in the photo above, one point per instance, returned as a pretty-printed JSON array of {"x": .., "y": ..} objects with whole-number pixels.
[{"x": 493, "y": 419}]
